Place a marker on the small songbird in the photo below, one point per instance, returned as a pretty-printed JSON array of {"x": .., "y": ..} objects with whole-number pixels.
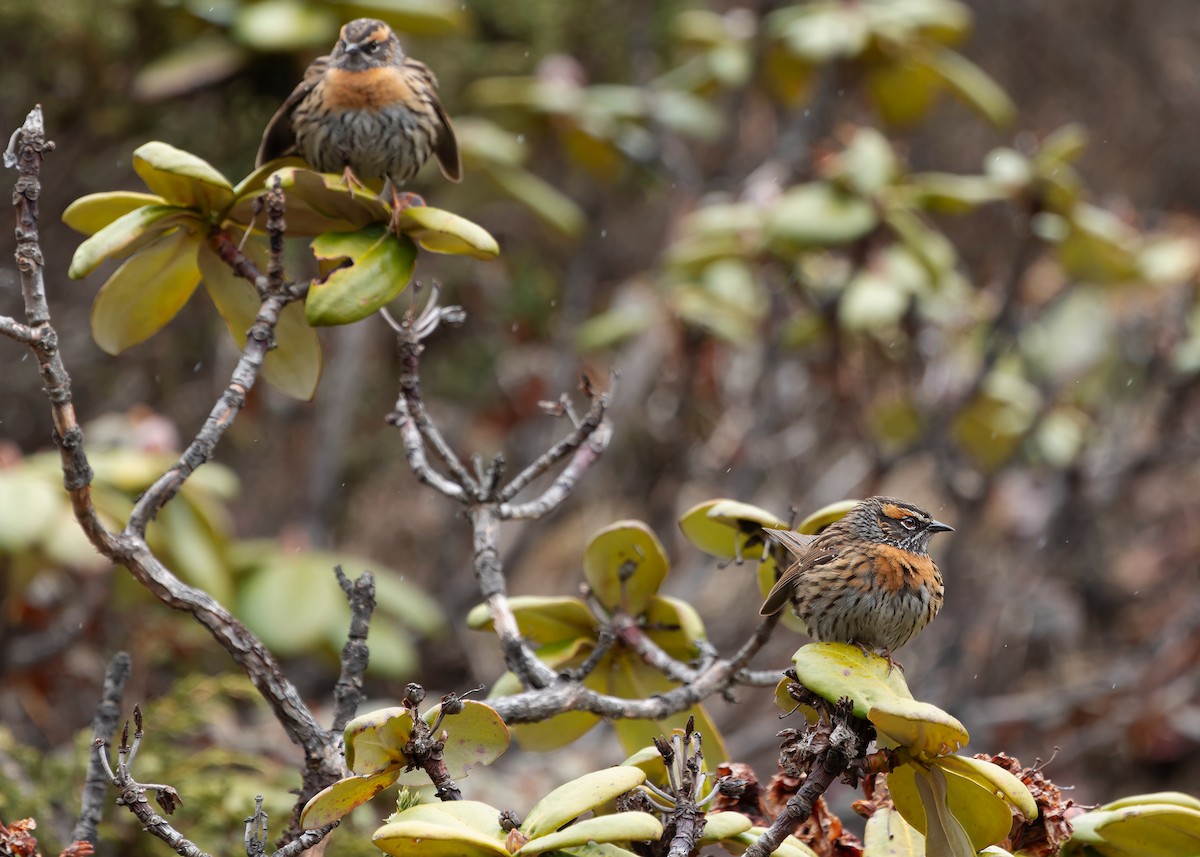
[
  {"x": 367, "y": 111},
  {"x": 866, "y": 579}
]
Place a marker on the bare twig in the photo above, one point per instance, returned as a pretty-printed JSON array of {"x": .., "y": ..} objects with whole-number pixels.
[
  {"x": 259, "y": 340},
  {"x": 348, "y": 693},
  {"x": 104, "y": 724}
]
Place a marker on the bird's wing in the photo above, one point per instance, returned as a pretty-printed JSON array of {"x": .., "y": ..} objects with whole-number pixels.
[
  {"x": 808, "y": 556},
  {"x": 445, "y": 145},
  {"x": 279, "y": 139},
  {"x": 797, "y": 543}
]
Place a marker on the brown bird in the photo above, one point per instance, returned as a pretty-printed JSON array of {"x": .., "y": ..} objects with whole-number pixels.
[
  {"x": 367, "y": 111},
  {"x": 866, "y": 579}
]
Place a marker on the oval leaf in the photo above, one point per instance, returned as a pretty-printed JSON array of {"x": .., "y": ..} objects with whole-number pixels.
[
  {"x": 924, "y": 729},
  {"x": 89, "y": 214},
  {"x": 817, "y": 214},
  {"x": 476, "y": 736},
  {"x": 572, "y": 799},
  {"x": 728, "y": 528},
  {"x": 146, "y": 292},
  {"x": 181, "y": 178},
  {"x": 956, "y": 805},
  {"x": 443, "y": 232},
  {"x": 618, "y": 827},
  {"x": 542, "y": 619},
  {"x": 836, "y": 670},
  {"x": 625, "y": 563},
  {"x": 382, "y": 266},
  {"x": 294, "y": 365},
  {"x": 335, "y": 801},
  {"x": 825, "y": 516},
  {"x": 375, "y": 740},
  {"x": 126, "y": 235}
]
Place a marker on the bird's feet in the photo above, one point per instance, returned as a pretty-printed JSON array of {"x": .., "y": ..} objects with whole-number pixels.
[
  {"x": 882, "y": 652},
  {"x": 401, "y": 201},
  {"x": 350, "y": 181}
]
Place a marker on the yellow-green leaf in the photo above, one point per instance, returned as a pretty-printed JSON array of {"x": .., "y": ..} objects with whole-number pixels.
[
  {"x": 548, "y": 203},
  {"x": 618, "y": 827},
  {"x": 443, "y": 232},
  {"x": 375, "y": 740},
  {"x": 889, "y": 835},
  {"x": 983, "y": 817},
  {"x": 335, "y": 801},
  {"x": 476, "y": 736},
  {"x": 128, "y": 234},
  {"x": 146, "y": 292},
  {"x": 294, "y": 365},
  {"x": 89, "y": 214},
  {"x": 924, "y": 729},
  {"x": 996, "y": 779},
  {"x": 625, "y": 563},
  {"x": 728, "y": 528},
  {"x": 542, "y": 619},
  {"x": 382, "y": 266},
  {"x": 181, "y": 178},
  {"x": 724, "y": 825},
  {"x": 572, "y": 799},
  {"x": 825, "y": 516},
  {"x": 817, "y": 214},
  {"x": 972, "y": 84},
  {"x": 426, "y": 831}
]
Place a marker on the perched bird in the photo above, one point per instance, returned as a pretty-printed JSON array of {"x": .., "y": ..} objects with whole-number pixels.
[
  {"x": 866, "y": 579},
  {"x": 367, "y": 111}
]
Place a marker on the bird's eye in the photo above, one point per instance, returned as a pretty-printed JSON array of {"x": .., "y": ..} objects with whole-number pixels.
[
  {"x": 909, "y": 524},
  {"x": 372, "y": 47}
]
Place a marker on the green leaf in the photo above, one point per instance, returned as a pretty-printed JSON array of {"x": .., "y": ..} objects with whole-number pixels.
[
  {"x": 724, "y": 825},
  {"x": 983, "y": 817},
  {"x": 625, "y": 563},
  {"x": 31, "y": 504},
  {"x": 972, "y": 84},
  {"x": 196, "y": 552},
  {"x": 630, "y": 678},
  {"x": 89, "y": 214},
  {"x": 948, "y": 193},
  {"x": 542, "y": 619},
  {"x": 318, "y": 203},
  {"x": 294, "y": 365},
  {"x": 415, "y": 17},
  {"x": 146, "y": 292},
  {"x": 128, "y": 234},
  {"x": 375, "y": 740},
  {"x": 437, "y": 831},
  {"x": 820, "y": 32},
  {"x": 995, "y": 779},
  {"x": 1169, "y": 798},
  {"x": 675, "y": 626},
  {"x": 277, "y": 601},
  {"x": 944, "y": 833},
  {"x": 868, "y": 164},
  {"x": 336, "y": 801},
  {"x": 825, "y": 516},
  {"x": 382, "y": 266},
  {"x": 572, "y": 799},
  {"x": 817, "y": 214},
  {"x": 618, "y": 827},
  {"x": 181, "y": 178},
  {"x": 284, "y": 25},
  {"x": 443, "y": 232},
  {"x": 550, "y": 205},
  {"x": 889, "y": 835},
  {"x": 1137, "y": 830},
  {"x": 836, "y": 670},
  {"x": 729, "y": 528},
  {"x": 476, "y": 736}
]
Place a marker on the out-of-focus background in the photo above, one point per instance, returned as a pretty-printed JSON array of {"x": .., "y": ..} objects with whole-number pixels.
[{"x": 938, "y": 250}]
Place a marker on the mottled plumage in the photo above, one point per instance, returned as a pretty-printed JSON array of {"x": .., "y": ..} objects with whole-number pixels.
[
  {"x": 366, "y": 108},
  {"x": 866, "y": 579}
]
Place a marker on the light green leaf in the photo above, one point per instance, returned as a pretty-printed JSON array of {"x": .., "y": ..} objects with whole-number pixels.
[
  {"x": 728, "y": 528},
  {"x": 996, "y": 779},
  {"x": 284, "y": 25},
  {"x": 89, "y": 214},
  {"x": 375, "y": 740},
  {"x": 128, "y": 234},
  {"x": 790, "y": 847},
  {"x": 618, "y": 827},
  {"x": 972, "y": 84},
  {"x": 817, "y": 214},
  {"x": 443, "y": 232},
  {"x": 146, "y": 292},
  {"x": 572, "y": 799},
  {"x": 889, "y": 835},
  {"x": 944, "y": 833},
  {"x": 625, "y": 563},
  {"x": 542, "y": 619},
  {"x": 825, "y": 516},
  {"x": 982, "y": 816},
  {"x": 550, "y": 205},
  {"x": 415, "y": 17},
  {"x": 724, "y": 825},
  {"x": 382, "y": 266},
  {"x": 181, "y": 178},
  {"x": 294, "y": 365},
  {"x": 31, "y": 503},
  {"x": 335, "y": 801},
  {"x": 430, "y": 831},
  {"x": 476, "y": 736}
]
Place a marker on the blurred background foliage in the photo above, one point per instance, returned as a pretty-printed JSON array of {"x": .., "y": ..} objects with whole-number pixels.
[{"x": 936, "y": 249}]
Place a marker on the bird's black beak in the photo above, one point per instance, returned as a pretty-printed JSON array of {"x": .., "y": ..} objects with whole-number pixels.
[
  {"x": 353, "y": 48},
  {"x": 939, "y": 527}
]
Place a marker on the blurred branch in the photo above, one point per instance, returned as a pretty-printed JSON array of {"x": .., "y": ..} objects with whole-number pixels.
[
  {"x": 348, "y": 692},
  {"x": 104, "y": 725}
]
